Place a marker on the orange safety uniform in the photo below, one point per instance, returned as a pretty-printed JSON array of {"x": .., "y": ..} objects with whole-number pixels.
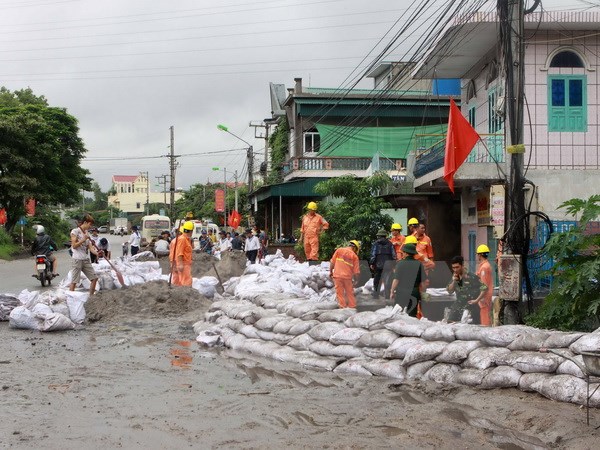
[
  {"x": 344, "y": 265},
  {"x": 312, "y": 226},
  {"x": 484, "y": 272},
  {"x": 398, "y": 242},
  {"x": 424, "y": 250},
  {"x": 181, "y": 247}
]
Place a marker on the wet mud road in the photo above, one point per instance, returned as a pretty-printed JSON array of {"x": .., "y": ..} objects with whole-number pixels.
[{"x": 146, "y": 384}]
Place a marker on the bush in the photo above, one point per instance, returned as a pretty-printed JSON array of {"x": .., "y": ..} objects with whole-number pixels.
[
  {"x": 574, "y": 300},
  {"x": 7, "y": 246}
]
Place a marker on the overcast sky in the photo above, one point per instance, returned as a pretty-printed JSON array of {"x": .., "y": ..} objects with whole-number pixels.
[{"x": 130, "y": 69}]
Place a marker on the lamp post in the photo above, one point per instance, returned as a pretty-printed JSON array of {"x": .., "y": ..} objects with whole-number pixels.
[
  {"x": 225, "y": 189},
  {"x": 249, "y": 156}
]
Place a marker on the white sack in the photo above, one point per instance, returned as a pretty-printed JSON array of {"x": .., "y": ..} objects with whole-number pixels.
[
  {"x": 284, "y": 325},
  {"x": 352, "y": 367},
  {"x": 385, "y": 368},
  {"x": 41, "y": 310},
  {"x": 471, "y": 377},
  {"x": 368, "y": 319},
  {"x": 28, "y": 299},
  {"x": 561, "y": 339},
  {"x": 249, "y": 331},
  {"x": 466, "y": 332},
  {"x": 529, "y": 341},
  {"x": 439, "y": 332},
  {"x": 267, "y": 323},
  {"x": 587, "y": 343},
  {"x": 374, "y": 353},
  {"x": 75, "y": 302},
  {"x": 400, "y": 346},
  {"x": 347, "y": 336},
  {"x": 57, "y": 322},
  {"x": 408, "y": 326},
  {"x": 377, "y": 339},
  {"x": 530, "y": 362},
  {"x": 324, "y": 331},
  {"x": 501, "y": 377},
  {"x": 423, "y": 352},
  {"x": 22, "y": 318},
  {"x": 301, "y": 342},
  {"x": 570, "y": 368},
  {"x": 336, "y": 315},
  {"x": 456, "y": 352},
  {"x": 442, "y": 373},
  {"x": 417, "y": 371},
  {"x": 309, "y": 359},
  {"x": 60, "y": 308},
  {"x": 484, "y": 357},
  {"x": 324, "y": 348},
  {"x": 303, "y": 327}
]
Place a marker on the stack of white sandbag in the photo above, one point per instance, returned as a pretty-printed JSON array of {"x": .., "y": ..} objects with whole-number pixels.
[
  {"x": 8, "y": 302},
  {"x": 49, "y": 311},
  {"x": 389, "y": 343}
]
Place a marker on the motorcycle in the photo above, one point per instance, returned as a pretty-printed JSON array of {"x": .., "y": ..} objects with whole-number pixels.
[{"x": 44, "y": 270}]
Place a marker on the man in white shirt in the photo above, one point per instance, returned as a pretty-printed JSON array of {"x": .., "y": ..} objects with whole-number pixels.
[
  {"x": 95, "y": 238},
  {"x": 161, "y": 247},
  {"x": 251, "y": 247},
  {"x": 224, "y": 243},
  {"x": 134, "y": 241},
  {"x": 80, "y": 245}
]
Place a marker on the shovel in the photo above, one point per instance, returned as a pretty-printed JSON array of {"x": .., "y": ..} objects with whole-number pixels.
[{"x": 119, "y": 274}]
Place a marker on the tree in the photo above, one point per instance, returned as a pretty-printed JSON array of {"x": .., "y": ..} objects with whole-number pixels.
[
  {"x": 574, "y": 299},
  {"x": 279, "y": 146},
  {"x": 40, "y": 154},
  {"x": 200, "y": 200},
  {"x": 354, "y": 212}
]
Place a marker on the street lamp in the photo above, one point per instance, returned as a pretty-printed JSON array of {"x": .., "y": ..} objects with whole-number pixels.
[
  {"x": 249, "y": 156},
  {"x": 225, "y": 189}
]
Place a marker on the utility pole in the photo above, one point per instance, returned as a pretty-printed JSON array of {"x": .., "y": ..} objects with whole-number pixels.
[
  {"x": 512, "y": 14},
  {"x": 225, "y": 195},
  {"x": 250, "y": 157},
  {"x": 236, "y": 191},
  {"x": 162, "y": 181},
  {"x": 172, "y": 166}
]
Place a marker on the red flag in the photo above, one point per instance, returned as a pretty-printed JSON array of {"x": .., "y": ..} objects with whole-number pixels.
[
  {"x": 234, "y": 219},
  {"x": 3, "y": 217},
  {"x": 460, "y": 140}
]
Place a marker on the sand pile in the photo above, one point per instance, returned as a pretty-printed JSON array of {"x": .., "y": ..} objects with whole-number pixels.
[
  {"x": 150, "y": 300},
  {"x": 232, "y": 264}
]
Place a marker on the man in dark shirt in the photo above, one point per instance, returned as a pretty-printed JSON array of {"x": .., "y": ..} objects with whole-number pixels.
[
  {"x": 236, "y": 242},
  {"x": 382, "y": 255},
  {"x": 408, "y": 276},
  {"x": 44, "y": 245},
  {"x": 469, "y": 290}
]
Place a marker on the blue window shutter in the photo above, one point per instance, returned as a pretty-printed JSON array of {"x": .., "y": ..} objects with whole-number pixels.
[{"x": 567, "y": 103}]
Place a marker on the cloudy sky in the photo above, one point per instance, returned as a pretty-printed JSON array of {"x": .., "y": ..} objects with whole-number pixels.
[{"x": 130, "y": 69}]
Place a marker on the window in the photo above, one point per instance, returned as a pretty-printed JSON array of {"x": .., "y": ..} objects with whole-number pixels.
[
  {"x": 566, "y": 58},
  {"x": 472, "y": 116},
  {"x": 138, "y": 205},
  {"x": 567, "y": 102},
  {"x": 496, "y": 122},
  {"x": 312, "y": 142}
]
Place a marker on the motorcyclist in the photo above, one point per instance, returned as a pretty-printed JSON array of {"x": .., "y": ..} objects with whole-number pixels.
[{"x": 44, "y": 245}]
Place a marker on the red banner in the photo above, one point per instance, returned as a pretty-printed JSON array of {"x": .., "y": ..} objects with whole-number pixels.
[
  {"x": 2, "y": 216},
  {"x": 220, "y": 200},
  {"x": 30, "y": 207}
]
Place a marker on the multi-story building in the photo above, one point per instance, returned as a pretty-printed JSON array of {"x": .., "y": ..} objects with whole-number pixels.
[{"x": 131, "y": 194}]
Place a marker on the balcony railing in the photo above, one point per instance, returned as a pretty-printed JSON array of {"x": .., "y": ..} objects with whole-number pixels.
[
  {"x": 342, "y": 163},
  {"x": 431, "y": 148}
]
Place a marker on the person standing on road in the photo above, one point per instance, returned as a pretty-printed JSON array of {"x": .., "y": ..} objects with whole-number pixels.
[
  {"x": 397, "y": 239},
  {"x": 313, "y": 225},
  {"x": 80, "y": 246},
  {"x": 424, "y": 247},
  {"x": 252, "y": 246},
  {"x": 408, "y": 276},
  {"x": 44, "y": 245},
  {"x": 484, "y": 272},
  {"x": 134, "y": 241},
  {"x": 181, "y": 256},
  {"x": 382, "y": 251},
  {"x": 236, "y": 242},
  {"x": 344, "y": 269}
]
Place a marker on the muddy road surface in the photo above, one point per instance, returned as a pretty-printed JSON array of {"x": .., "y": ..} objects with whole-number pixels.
[{"x": 145, "y": 383}]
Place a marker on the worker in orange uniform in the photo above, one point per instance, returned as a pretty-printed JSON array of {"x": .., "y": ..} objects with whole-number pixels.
[
  {"x": 484, "y": 272},
  {"x": 344, "y": 269},
  {"x": 180, "y": 256},
  {"x": 313, "y": 225},
  {"x": 397, "y": 239},
  {"x": 413, "y": 224},
  {"x": 424, "y": 247}
]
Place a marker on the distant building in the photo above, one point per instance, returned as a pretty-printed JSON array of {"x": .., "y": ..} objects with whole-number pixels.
[{"x": 132, "y": 192}]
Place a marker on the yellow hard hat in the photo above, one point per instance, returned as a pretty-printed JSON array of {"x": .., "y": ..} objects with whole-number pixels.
[
  {"x": 188, "y": 226},
  {"x": 356, "y": 244},
  {"x": 413, "y": 221},
  {"x": 396, "y": 226},
  {"x": 410, "y": 240},
  {"x": 483, "y": 249},
  {"x": 311, "y": 206}
]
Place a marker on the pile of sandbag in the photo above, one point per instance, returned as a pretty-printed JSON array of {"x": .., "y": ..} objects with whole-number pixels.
[
  {"x": 48, "y": 311},
  {"x": 389, "y": 343}
]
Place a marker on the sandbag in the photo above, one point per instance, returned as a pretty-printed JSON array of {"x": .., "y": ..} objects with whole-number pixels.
[
  {"x": 22, "y": 318},
  {"x": 303, "y": 327},
  {"x": 442, "y": 373},
  {"x": 260, "y": 347},
  {"x": 336, "y": 315},
  {"x": 75, "y": 302},
  {"x": 28, "y": 298},
  {"x": 301, "y": 342},
  {"x": 283, "y": 326},
  {"x": 563, "y": 388},
  {"x": 309, "y": 359},
  {"x": 235, "y": 342},
  {"x": 280, "y": 338},
  {"x": 41, "y": 310},
  {"x": 423, "y": 352},
  {"x": 323, "y": 331},
  {"x": 377, "y": 339},
  {"x": 400, "y": 346},
  {"x": 60, "y": 308},
  {"x": 408, "y": 326},
  {"x": 587, "y": 343},
  {"x": 249, "y": 331},
  {"x": 441, "y": 332},
  {"x": 529, "y": 341},
  {"x": 500, "y": 336},
  {"x": 205, "y": 340},
  {"x": 352, "y": 367},
  {"x": 57, "y": 322},
  {"x": 347, "y": 336},
  {"x": 374, "y": 353},
  {"x": 561, "y": 339},
  {"x": 285, "y": 354},
  {"x": 213, "y": 316},
  {"x": 417, "y": 371},
  {"x": 532, "y": 382},
  {"x": 384, "y": 368},
  {"x": 7, "y": 304},
  {"x": 456, "y": 352},
  {"x": 368, "y": 319},
  {"x": 501, "y": 377},
  {"x": 466, "y": 332},
  {"x": 530, "y": 362},
  {"x": 471, "y": 377},
  {"x": 570, "y": 368},
  {"x": 484, "y": 357},
  {"x": 267, "y": 323},
  {"x": 324, "y": 348}
]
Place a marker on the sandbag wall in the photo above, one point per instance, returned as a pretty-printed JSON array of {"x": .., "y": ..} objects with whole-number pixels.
[{"x": 386, "y": 343}]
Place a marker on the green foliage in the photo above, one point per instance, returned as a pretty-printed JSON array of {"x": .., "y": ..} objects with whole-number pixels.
[
  {"x": 200, "y": 200},
  {"x": 353, "y": 213},
  {"x": 40, "y": 154},
  {"x": 7, "y": 246},
  {"x": 279, "y": 147},
  {"x": 57, "y": 228},
  {"x": 574, "y": 301}
]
